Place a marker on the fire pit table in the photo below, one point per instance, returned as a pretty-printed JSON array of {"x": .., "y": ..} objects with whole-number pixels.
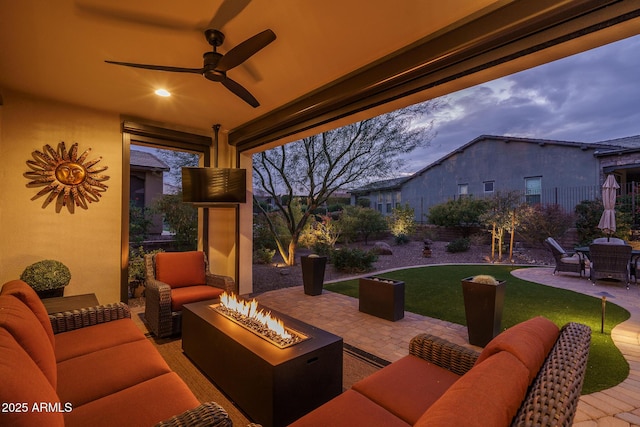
[{"x": 273, "y": 384}]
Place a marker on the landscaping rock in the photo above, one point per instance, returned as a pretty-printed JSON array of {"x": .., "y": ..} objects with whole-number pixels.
[{"x": 382, "y": 248}]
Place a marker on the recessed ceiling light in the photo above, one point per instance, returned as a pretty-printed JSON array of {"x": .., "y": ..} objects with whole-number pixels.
[{"x": 163, "y": 92}]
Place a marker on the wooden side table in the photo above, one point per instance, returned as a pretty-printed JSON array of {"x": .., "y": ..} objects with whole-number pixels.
[{"x": 70, "y": 303}]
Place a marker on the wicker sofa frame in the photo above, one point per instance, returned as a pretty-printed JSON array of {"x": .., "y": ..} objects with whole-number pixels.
[
  {"x": 610, "y": 262},
  {"x": 552, "y": 398},
  {"x": 207, "y": 414},
  {"x": 161, "y": 320}
]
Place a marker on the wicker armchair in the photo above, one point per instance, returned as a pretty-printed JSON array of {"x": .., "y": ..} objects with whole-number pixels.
[
  {"x": 174, "y": 279},
  {"x": 554, "y": 393},
  {"x": 610, "y": 262},
  {"x": 565, "y": 261}
]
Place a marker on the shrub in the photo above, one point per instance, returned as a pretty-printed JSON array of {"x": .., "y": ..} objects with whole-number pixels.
[
  {"x": 354, "y": 260},
  {"x": 139, "y": 223},
  {"x": 263, "y": 255},
  {"x": 357, "y": 221},
  {"x": 401, "y": 239},
  {"x": 46, "y": 274},
  {"x": 181, "y": 218},
  {"x": 463, "y": 213},
  {"x": 136, "y": 264},
  {"x": 458, "y": 245},
  {"x": 538, "y": 222},
  {"x": 402, "y": 223},
  {"x": 262, "y": 236}
]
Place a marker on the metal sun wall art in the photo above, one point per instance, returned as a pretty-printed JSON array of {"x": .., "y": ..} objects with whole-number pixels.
[{"x": 67, "y": 178}]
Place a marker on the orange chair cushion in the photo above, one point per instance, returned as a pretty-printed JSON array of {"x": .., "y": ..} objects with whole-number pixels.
[
  {"x": 19, "y": 321},
  {"x": 28, "y": 296},
  {"x": 164, "y": 396},
  {"x": 97, "y": 337},
  {"x": 83, "y": 379},
  {"x": 529, "y": 341},
  {"x": 187, "y": 295},
  {"x": 488, "y": 395},
  {"x": 22, "y": 382},
  {"x": 178, "y": 269},
  {"x": 407, "y": 387},
  {"x": 347, "y": 410}
]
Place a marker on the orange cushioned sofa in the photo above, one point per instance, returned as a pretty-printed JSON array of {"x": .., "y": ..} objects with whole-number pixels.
[
  {"x": 77, "y": 369},
  {"x": 529, "y": 375}
]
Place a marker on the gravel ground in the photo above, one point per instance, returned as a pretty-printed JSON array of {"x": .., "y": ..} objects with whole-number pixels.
[{"x": 268, "y": 277}]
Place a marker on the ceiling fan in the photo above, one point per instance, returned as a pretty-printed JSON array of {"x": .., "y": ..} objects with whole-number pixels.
[{"x": 216, "y": 65}]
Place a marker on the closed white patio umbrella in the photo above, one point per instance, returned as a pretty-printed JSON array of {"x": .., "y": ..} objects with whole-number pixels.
[{"x": 608, "y": 220}]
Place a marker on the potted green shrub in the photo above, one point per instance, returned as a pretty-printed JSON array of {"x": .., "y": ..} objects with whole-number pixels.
[
  {"x": 47, "y": 277},
  {"x": 483, "y": 302}
]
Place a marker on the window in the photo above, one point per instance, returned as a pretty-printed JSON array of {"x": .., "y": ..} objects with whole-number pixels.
[
  {"x": 488, "y": 186},
  {"x": 533, "y": 190},
  {"x": 463, "y": 190},
  {"x": 398, "y": 198}
]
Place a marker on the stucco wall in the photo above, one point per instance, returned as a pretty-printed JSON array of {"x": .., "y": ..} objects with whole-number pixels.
[
  {"x": 87, "y": 241},
  {"x": 505, "y": 163}
]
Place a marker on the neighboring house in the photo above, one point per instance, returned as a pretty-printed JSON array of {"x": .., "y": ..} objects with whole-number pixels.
[
  {"x": 623, "y": 161},
  {"x": 146, "y": 184},
  {"x": 546, "y": 171},
  {"x": 382, "y": 195}
]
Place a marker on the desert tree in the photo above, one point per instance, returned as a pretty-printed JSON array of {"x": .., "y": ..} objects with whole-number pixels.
[{"x": 313, "y": 168}]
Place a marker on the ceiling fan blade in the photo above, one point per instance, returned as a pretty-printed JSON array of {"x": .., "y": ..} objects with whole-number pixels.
[
  {"x": 240, "y": 91},
  {"x": 228, "y": 10},
  {"x": 245, "y": 50},
  {"x": 159, "y": 67}
]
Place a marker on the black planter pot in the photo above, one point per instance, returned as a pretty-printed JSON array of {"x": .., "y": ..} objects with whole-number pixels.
[
  {"x": 483, "y": 305},
  {"x": 313, "y": 273},
  {"x": 50, "y": 293},
  {"x": 381, "y": 297}
]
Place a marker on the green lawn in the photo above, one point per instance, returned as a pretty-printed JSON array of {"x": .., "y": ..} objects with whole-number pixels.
[{"x": 436, "y": 292}]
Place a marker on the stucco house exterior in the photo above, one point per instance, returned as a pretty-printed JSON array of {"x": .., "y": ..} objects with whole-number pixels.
[
  {"x": 146, "y": 184},
  {"x": 546, "y": 171}
]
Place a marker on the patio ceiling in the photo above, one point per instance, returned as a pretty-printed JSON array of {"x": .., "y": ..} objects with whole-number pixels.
[{"x": 333, "y": 61}]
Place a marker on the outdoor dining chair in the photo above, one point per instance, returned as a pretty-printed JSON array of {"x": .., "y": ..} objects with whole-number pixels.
[
  {"x": 565, "y": 261},
  {"x": 610, "y": 262}
]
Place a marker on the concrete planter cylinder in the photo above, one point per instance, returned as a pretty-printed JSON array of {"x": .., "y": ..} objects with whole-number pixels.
[
  {"x": 313, "y": 267},
  {"x": 483, "y": 303}
]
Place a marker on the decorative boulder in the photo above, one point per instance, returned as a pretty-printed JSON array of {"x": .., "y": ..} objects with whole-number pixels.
[{"x": 382, "y": 248}]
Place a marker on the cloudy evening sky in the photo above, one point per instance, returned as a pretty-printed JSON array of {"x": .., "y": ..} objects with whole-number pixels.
[{"x": 589, "y": 97}]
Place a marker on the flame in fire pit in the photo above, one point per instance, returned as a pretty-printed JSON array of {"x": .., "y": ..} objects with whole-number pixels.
[{"x": 250, "y": 311}]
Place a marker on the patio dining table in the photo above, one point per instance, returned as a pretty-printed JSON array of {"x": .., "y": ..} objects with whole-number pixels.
[{"x": 584, "y": 250}]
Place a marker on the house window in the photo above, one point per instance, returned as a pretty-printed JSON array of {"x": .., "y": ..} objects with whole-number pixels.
[
  {"x": 398, "y": 198},
  {"x": 463, "y": 190},
  {"x": 388, "y": 207},
  {"x": 488, "y": 186},
  {"x": 533, "y": 190}
]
